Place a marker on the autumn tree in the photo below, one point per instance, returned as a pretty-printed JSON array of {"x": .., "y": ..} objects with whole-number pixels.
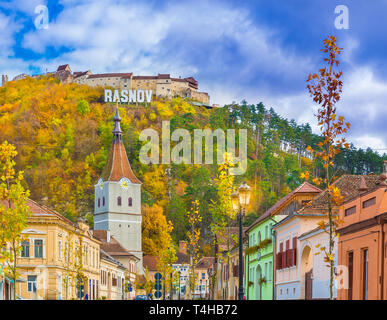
[
  {"x": 14, "y": 210},
  {"x": 73, "y": 263},
  {"x": 193, "y": 236},
  {"x": 222, "y": 212},
  {"x": 156, "y": 230},
  {"x": 325, "y": 87},
  {"x": 144, "y": 283},
  {"x": 167, "y": 256}
]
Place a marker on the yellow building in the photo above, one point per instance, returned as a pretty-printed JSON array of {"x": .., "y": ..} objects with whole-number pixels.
[
  {"x": 55, "y": 253},
  {"x": 112, "y": 285}
]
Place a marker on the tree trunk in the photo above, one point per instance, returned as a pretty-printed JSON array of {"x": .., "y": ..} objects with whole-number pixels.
[
  {"x": 215, "y": 270},
  {"x": 14, "y": 270}
]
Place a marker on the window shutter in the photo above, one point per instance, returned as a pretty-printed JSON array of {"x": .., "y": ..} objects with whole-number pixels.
[
  {"x": 279, "y": 261},
  {"x": 295, "y": 256},
  {"x": 294, "y": 242},
  {"x": 287, "y": 254}
]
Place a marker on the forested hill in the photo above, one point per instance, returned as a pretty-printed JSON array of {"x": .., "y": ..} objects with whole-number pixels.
[{"x": 63, "y": 134}]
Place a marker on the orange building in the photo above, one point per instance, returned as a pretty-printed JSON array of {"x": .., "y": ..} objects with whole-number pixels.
[{"x": 362, "y": 243}]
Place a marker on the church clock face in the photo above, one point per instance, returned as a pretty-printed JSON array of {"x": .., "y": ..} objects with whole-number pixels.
[
  {"x": 124, "y": 183},
  {"x": 100, "y": 183}
]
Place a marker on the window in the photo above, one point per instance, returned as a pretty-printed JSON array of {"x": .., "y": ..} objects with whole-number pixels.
[
  {"x": 270, "y": 270},
  {"x": 103, "y": 201},
  {"x": 60, "y": 249},
  {"x": 365, "y": 274},
  {"x": 38, "y": 248},
  {"x": 130, "y": 202},
  {"x": 118, "y": 201},
  {"x": 350, "y": 211},
  {"x": 59, "y": 287},
  {"x": 31, "y": 283},
  {"x": 203, "y": 275},
  {"x": 350, "y": 275},
  {"x": 66, "y": 252},
  {"x": 25, "y": 249},
  {"x": 369, "y": 202},
  {"x": 266, "y": 232},
  {"x": 99, "y": 202}
]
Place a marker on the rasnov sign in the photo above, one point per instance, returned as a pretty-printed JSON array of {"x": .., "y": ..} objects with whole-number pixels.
[{"x": 128, "y": 96}]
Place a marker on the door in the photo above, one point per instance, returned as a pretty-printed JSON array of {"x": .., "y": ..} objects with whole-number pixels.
[
  {"x": 258, "y": 293},
  {"x": 350, "y": 275},
  {"x": 309, "y": 285}
]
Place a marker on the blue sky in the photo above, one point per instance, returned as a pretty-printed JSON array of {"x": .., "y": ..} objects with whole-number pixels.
[{"x": 252, "y": 50}]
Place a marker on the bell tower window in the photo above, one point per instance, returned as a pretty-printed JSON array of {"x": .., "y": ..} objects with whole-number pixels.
[
  {"x": 130, "y": 202},
  {"x": 103, "y": 201},
  {"x": 99, "y": 202},
  {"x": 118, "y": 201}
]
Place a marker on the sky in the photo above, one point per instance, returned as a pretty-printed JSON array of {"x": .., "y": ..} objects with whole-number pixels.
[{"x": 258, "y": 51}]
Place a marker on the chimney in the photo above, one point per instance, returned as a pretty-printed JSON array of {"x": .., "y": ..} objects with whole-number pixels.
[
  {"x": 83, "y": 224},
  {"x": 383, "y": 176},
  {"x": 363, "y": 186},
  {"x": 183, "y": 246}
]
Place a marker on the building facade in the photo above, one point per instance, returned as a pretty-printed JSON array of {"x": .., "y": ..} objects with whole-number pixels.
[
  {"x": 362, "y": 242},
  {"x": 203, "y": 270},
  {"x": 59, "y": 259},
  {"x": 262, "y": 242},
  {"x": 259, "y": 259},
  {"x": 112, "y": 275}
]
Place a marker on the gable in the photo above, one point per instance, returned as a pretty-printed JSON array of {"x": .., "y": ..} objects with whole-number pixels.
[{"x": 32, "y": 231}]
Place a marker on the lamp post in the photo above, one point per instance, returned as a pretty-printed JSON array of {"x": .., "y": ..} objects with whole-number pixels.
[
  {"x": 171, "y": 294},
  {"x": 240, "y": 201},
  {"x": 179, "y": 282}
]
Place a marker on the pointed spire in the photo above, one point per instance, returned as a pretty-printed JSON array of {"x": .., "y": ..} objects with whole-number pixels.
[
  {"x": 117, "y": 127},
  {"x": 117, "y": 165},
  {"x": 362, "y": 186}
]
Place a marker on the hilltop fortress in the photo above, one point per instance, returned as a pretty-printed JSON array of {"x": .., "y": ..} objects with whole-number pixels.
[{"x": 161, "y": 85}]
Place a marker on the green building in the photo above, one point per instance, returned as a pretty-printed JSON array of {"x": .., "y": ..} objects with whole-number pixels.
[
  {"x": 259, "y": 258},
  {"x": 259, "y": 262}
]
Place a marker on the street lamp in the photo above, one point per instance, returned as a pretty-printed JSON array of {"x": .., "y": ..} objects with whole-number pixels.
[
  {"x": 171, "y": 294},
  {"x": 240, "y": 200},
  {"x": 179, "y": 282}
]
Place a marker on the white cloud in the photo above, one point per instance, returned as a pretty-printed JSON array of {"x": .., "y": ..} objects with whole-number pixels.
[
  {"x": 233, "y": 57},
  {"x": 121, "y": 36}
]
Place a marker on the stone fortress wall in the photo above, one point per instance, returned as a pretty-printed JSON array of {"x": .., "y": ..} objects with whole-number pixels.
[{"x": 162, "y": 85}]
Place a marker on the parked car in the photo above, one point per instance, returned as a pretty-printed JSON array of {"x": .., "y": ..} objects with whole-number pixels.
[{"x": 141, "y": 297}]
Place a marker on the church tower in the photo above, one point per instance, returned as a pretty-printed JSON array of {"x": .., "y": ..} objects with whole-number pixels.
[{"x": 117, "y": 198}]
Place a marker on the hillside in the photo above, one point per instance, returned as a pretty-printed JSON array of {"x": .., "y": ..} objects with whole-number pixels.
[{"x": 63, "y": 133}]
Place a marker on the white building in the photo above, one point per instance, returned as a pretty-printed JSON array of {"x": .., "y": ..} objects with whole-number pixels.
[{"x": 117, "y": 204}]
